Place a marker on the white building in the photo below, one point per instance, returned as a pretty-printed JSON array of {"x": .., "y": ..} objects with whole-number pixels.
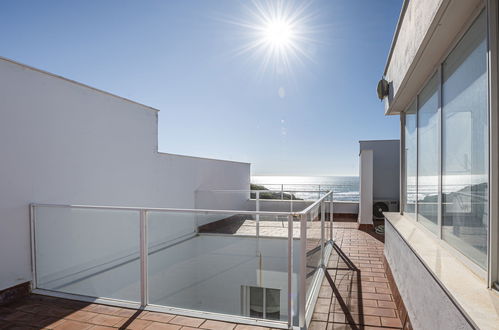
[
  {"x": 66, "y": 143},
  {"x": 441, "y": 79}
]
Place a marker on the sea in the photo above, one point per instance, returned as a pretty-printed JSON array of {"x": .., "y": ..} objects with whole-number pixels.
[{"x": 345, "y": 188}]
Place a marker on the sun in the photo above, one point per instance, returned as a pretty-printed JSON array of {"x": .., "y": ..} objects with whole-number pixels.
[{"x": 277, "y": 33}]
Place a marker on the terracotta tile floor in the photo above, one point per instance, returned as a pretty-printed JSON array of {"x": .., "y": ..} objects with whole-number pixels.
[
  {"x": 41, "y": 312},
  {"x": 358, "y": 295},
  {"x": 359, "y": 299}
]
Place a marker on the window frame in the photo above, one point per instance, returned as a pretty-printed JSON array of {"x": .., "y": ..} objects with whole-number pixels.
[
  {"x": 246, "y": 301},
  {"x": 492, "y": 7},
  {"x": 491, "y": 274}
]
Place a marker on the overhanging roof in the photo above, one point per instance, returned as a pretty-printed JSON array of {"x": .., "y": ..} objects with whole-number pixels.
[{"x": 450, "y": 22}]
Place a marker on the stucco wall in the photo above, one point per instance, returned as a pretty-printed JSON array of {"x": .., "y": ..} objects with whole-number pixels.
[
  {"x": 70, "y": 144},
  {"x": 415, "y": 23},
  {"x": 428, "y": 306},
  {"x": 427, "y": 30},
  {"x": 386, "y": 168}
]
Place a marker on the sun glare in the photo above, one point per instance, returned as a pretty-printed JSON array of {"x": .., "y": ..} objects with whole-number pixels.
[{"x": 277, "y": 33}]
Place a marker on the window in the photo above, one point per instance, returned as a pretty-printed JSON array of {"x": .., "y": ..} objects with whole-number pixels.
[
  {"x": 261, "y": 302},
  {"x": 411, "y": 144},
  {"x": 447, "y": 148},
  {"x": 465, "y": 145},
  {"x": 428, "y": 155}
]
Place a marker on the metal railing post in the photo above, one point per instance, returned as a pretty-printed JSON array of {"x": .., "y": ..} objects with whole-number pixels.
[
  {"x": 291, "y": 202},
  {"x": 290, "y": 271},
  {"x": 323, "y": 216},
  {"x": 257, "y": 215},
  {"x": 282, "y": 192},
  {"x": 144, "y": 299},
  {"x": 331, "y": 215},
  {"x": 302, "y": 288},
  {"x": 33, "y": 245},
  {"x": 319, "y": 191}
]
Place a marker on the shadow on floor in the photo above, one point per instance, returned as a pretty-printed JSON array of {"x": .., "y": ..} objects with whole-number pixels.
[
  {"x": 228, "y": 225},
  {"x": 44, "y": 312},
  {"x": 354, "y": 288}
]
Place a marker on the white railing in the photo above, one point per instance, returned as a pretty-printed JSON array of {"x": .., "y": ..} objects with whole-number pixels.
[
  {"x": 285, "y": 188},
  {"x": 116, "y": 255},
  {"x": 316, "y": 188}
]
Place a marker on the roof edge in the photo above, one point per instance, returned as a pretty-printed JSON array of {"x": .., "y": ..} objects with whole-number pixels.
[
  {"x": 396, "y": 34},
  {"x": 162, "y": 153},
  {"x": 77, "y": 83},
  {"x": 380, "y": 140}
]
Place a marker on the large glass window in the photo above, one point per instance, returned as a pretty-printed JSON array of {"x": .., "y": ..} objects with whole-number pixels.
[
  {"x": 465, "y": 145},
  {"x": 447, "y": 148},
  {"x": 411, "y": 143},
  {"x": 428, "y": 155}
]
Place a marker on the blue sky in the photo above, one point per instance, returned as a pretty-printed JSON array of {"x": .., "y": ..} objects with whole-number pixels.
[{"x": 181, "y": 57}]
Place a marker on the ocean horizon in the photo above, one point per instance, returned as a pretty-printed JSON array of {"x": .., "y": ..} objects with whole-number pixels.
[{"x": 345, "y": 188}]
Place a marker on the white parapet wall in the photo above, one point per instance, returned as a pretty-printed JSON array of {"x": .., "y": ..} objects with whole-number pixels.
[
  {"x": 66, "y": 143},
  {"x": 366, "y": 188},
  {"x": 428, "y": 304}
]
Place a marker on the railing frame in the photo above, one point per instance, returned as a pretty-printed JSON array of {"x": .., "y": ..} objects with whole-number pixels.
[
  {"x": 290, "y": 271},
  {"x": 144, "y": 256},
  {"x": 304, "y": 216},
  {"x": 302, "y": 287}
]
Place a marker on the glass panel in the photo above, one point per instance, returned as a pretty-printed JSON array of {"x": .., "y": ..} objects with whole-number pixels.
[
  {"x": 465, "y": 145},
  {"x": 91, "y": 252},
  {"x": 223, "y": 200},
  {"x": 428, "y": 152},
  {"x": 313, "y": 247},
  {"x": 411, "y": 143},
  {"x": 244, "y": 200},
  {"x": 205, "y": 271}
]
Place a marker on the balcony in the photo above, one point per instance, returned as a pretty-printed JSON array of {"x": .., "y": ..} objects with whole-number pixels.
[{"x": 212, "y": 268}]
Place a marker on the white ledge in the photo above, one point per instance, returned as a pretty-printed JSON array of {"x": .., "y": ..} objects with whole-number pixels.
[{"x": 467, "y": 289}]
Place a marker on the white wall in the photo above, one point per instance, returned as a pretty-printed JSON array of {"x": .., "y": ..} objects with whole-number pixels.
[
  {"x": 414, "y": 26},
  {"x": 366, "y": 187},
  {"x": 386, "y": 168},
  {"x": 63, "y": 142},
  {"x": 428, "y": 305},
  {"x": 427, "y": 30}
]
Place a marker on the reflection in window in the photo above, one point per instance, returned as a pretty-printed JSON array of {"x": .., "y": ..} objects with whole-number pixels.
[
  {"x": 465, "y": 145},
  {"x": 411, "y": 143},
  {"x": 261, "y": 302},
  {"x": 428, "y": 155}
]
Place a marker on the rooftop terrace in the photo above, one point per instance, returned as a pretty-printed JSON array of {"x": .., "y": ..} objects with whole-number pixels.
[{"x": 355, "y": 294}]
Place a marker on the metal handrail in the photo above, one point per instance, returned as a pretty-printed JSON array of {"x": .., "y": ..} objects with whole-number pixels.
[
  {"x": 304, "y": 310},
  {"x": 281, "y": 191},
  {"x": 185, "y": 210},
  {"x": 156, "y": 209},
  {"x": 318, "y": 202},
  {"x": 263, "y": 190}
]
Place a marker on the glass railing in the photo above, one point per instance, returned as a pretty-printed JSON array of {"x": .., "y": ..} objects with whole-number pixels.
[
  {"x": 249, "y": 266},
  {"x": 86, "y": 251},
  {"x": 347, "y": 190}
]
